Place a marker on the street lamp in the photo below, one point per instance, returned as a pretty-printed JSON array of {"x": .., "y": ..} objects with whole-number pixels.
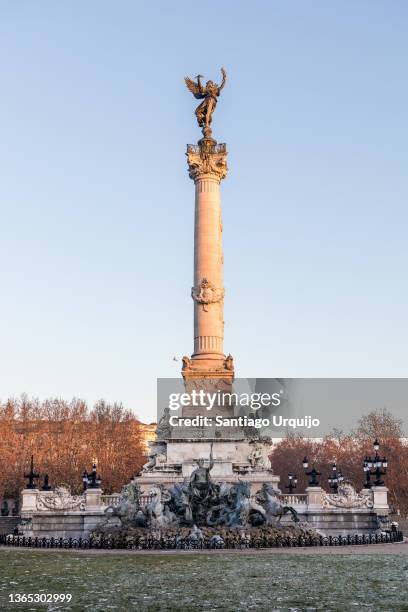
[
  {"x": 92, "y": 480},
  {"x": 292, "y": 483},
  {"x": 335, "y": 479},
  {"x": 32, "y": 476},
  {"x": 46, "y": 485},
  {"x": 313, "y": 482},
  {"x": 85, "y": 479},
  {"x": 368, "y": 484},
  {"x": 375, "y": 467}
]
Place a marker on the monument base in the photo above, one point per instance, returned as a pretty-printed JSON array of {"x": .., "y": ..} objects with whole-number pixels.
[{"x": 174, "y": 460}]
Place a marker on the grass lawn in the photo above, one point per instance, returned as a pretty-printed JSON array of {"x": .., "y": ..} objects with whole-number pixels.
[{"x": 232, "y": 582}]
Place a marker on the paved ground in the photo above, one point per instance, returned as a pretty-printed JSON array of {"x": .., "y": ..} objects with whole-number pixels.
[
  {"x": 370, "y": 579},
  {"x": 397, "y": 548}
]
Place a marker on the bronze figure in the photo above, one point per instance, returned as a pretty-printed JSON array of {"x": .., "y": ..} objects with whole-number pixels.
[{"x": 209, "y": 94}]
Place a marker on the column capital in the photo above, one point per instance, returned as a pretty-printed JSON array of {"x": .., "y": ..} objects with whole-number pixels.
[{"x": 207, "y": 159}]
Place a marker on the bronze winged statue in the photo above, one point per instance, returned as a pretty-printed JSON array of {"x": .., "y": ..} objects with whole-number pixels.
[{"x": 209, "y": 94}]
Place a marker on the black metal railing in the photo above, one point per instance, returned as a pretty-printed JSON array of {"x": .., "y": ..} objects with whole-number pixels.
[{"x": 233, "y": 541}]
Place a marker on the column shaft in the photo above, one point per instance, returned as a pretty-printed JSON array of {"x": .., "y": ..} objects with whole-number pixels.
[
  {"x": 207, "y": 165},
  {"x": 208, "y": 266}
]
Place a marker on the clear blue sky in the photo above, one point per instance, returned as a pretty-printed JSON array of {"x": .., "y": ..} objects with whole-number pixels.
[{"x": 97, "y": 208}]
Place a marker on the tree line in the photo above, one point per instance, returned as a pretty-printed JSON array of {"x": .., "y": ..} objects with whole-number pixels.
[
  {"x": 349, "y": 451},
  {"x": 66, "y": 437}
]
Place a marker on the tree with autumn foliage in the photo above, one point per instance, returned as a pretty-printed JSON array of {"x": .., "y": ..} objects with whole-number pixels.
[
  {"x": 65, "y": 439},
  {"x": 349, "y": 451}
]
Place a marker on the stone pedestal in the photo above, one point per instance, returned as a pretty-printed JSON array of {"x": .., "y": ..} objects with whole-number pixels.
[
  {"x": 28, "y": 502},
  {"x": 380, "y": 500},
  {"x": 233, "y": 460},
  {"x": 314, "y": 497},
  {"x": 93, "y": 499}
]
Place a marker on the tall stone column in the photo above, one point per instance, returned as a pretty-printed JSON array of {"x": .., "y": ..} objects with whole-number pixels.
[{"x": 207, "y": 165}]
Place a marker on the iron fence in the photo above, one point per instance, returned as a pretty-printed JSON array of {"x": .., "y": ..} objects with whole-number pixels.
[{"x": 175, "y": 542}]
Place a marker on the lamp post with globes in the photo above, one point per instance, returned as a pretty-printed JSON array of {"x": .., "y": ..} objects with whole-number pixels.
[
  {"x": 32, "y": 475},
  {"x": 313, "y": 473},
  {"x": 366, "y": 467},
  {"x": 335, "y": 478},
  {"x": 376, "y": 467},
  {"x": 292, "y": 484},
  {"x": 92, "y": 480}
]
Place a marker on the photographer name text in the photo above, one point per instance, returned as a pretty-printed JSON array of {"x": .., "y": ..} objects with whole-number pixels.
[{"x": 306, "y": 422}]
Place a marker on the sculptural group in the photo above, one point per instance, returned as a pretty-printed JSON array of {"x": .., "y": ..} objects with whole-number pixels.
[{"x": 198, "y": 501}]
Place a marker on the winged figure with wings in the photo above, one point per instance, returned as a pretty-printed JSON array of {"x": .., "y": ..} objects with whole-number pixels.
[{"x": 209, "y": 94}]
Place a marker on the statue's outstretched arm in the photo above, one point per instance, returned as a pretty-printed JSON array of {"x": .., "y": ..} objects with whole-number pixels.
[
  {"x": 224, "y": 80},
  {"x": 201, "y": 89}
]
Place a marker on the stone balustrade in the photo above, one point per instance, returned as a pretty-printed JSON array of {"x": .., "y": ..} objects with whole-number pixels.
[
  {"x": 294, "y": 499},
  {"x": 111, "y": 500},
  {"x": 114, "y": 500}
]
